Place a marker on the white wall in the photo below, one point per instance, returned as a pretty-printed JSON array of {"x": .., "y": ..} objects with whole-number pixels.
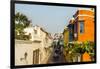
[
  {"x": 25, "y": 46},
  {"x": 5, "y": 35}
]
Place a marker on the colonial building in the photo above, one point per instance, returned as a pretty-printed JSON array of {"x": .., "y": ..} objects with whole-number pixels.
[
  {"x": 81, "y": 26},
  {"x": 66, "y": 36},
  {"x": 80, "y": 29},
  {"x": 71, "y": 30},
  {"x": 84, "y": 25},
  {"x": 36, "y": 49}
]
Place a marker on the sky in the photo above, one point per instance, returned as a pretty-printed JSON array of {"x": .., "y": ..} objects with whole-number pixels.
[{"x": 51, "y": 18}]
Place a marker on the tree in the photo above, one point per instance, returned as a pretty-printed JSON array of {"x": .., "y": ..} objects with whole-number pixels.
[
  {"x": 21, "y": 19},
  {"x": 21, "y": 22}
]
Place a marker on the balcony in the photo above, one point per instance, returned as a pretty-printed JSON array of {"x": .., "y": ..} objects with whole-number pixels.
[{"x": 36, "y": 38}]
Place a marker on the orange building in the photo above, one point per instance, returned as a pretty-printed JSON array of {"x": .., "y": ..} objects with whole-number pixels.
[{"x": 83, "y": 28}]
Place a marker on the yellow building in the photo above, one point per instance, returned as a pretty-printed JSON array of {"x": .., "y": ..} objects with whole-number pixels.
[{"x": 66, "y": 36}]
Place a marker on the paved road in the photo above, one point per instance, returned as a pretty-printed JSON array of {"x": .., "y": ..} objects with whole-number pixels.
[{"x": 59, "y": 59}]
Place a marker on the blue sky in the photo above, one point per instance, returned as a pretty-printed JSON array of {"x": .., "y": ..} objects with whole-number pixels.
[{"x": 52, "y": 18}]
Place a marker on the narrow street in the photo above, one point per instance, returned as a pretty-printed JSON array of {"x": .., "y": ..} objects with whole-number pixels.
[{"x": 56, "y": 58}]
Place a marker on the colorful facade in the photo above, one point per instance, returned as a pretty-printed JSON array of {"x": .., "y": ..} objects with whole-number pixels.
[
  {"x": 84, "y": 25},
  {"x": 81, "y": 26},
  {"x": 66, "y": 36},
  {"x": 71, "y": 30}
]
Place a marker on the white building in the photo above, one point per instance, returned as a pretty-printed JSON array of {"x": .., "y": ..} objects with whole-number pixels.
[
  {"x": 38, "y": 34},
  {"x": 35, "y": 50}
]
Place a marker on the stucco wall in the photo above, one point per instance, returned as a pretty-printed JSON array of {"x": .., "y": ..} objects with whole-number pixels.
[
  {"x": 22, "y": 46},
  {"x": 88, "y": 34}
]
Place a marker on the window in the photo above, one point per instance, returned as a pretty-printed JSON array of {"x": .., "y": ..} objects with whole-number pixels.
[
  {"x": 81, "y": 26},
  {"x": 36, "y": 56}
]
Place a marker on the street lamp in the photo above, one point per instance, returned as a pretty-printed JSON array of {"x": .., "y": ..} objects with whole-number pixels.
[{"x": 75, "y": 36}]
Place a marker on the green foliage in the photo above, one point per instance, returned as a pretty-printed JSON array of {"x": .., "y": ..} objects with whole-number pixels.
[
  {"x": 86, "y": 46},
  {"x": 65, "y": 45},
  {"x": 21, "y": 22},
  {"x": 80, "y": 48},
  {"x": 22, "y": 19},
  {"x": 83, "y": 47}
]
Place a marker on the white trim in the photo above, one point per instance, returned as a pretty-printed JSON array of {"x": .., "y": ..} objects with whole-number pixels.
[{"x": 84, "y": 15}]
